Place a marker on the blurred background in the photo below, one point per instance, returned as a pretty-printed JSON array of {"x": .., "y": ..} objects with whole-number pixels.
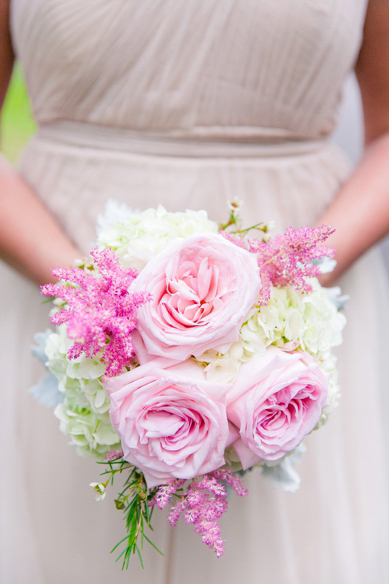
[{"x": 17, "y": 125}]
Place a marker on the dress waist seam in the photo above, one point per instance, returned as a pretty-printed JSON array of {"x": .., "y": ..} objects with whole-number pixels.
[{"x": 81, "y": 135}]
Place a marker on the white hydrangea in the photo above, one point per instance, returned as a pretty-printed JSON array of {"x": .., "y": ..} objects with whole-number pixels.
[
  {"x": 328, "y": 365},
  {"x": 293, "y": 320},
  {"x": 223, "y": 369},
  {"x": 93, "y": 435},
  {"x": 114, "y": 212},
  {"x": 310, "y": 321},
  {"x": 84, "y": 413},
  {"x": 137, "y": 236}
]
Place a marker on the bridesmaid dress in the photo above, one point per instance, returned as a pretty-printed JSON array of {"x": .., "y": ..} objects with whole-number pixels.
[{"x": 189, "y": 103}]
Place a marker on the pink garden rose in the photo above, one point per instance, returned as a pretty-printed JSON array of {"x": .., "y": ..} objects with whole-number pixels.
[
  {"x": 172, "y": 422},
  {"x": 276, "y": 400},
  {"x": 202, "y": 288}
]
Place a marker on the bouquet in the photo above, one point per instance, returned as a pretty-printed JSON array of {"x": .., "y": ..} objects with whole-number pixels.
[{"x": 187, "y": 353}]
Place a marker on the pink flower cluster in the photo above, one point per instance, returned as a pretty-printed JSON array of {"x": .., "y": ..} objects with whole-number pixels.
[
  {"x": 113, "y": 455},
  {"x": 100, "y": 311},
  {"x": 287, "y": 259},
  {"x": 203, "y": 504}
]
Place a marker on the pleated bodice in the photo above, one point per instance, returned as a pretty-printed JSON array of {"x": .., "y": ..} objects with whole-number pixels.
[{"x": 195, "y": 68}]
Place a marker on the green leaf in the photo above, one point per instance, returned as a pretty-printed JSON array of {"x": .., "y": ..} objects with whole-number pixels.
[
  {"x": 153, "y": 544},
  {"x": 140, "y": 557},
  {"x": 121, "y": 541},
  {"x": 123, "y": 552},
  {"x": 48, "y": 299}
]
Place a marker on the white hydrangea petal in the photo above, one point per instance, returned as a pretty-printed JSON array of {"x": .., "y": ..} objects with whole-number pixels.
[
  {"x": 223, "y": 370},
  {"x": 100, "y": 398},
  {"x": 86, "y": 368},
  {"x": 137, "y": 237}
]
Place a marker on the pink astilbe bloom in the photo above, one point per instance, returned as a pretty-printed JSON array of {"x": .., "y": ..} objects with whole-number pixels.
[
  {"x": 235, "y": 240},
  {"x": 162, "y": 496},
  {"x": 100, "y": 311},
  {"x": 203, "y": 504},
  {"x": 287, "y": 259},
  {"x": 113, "y": 455}
]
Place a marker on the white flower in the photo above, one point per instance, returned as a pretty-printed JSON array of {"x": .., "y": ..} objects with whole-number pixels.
[
  {"x": 96, "y": 396},
  {"x": 252, "y": 339},
  {"x": 52, "y": 347},
  {"x": 85, "y": 368},
  {"x": 294, "y": 325},
  {"x": 58, "y": 368},
  {"x": 232, "y": 459},
  {"x": 207, "y": 356},
  {"x": 291, "y": 316},
  {"x": 58, "y": 343},
  {"x": 328, "y": 365},
  {"x": 100, "y": 490},
  {"x": 114, "y": 212},
  {"x": 235, "y": 205},
  {"x": 93, "y": 434},
  {"x": 223, "y": 370},
  {"x": 84, "y": 411},
  {"x": 137, "y": 237}
]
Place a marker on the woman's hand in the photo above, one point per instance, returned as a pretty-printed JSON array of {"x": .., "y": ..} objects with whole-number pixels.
[
  {"x": 360, "y": 212},
  {"x": 30, "y": 238}
]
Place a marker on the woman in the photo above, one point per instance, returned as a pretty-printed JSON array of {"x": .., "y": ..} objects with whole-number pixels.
[{"x": 188, "y": 104}]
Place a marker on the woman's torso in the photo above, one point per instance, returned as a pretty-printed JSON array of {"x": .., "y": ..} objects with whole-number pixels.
[
  {"x": 195, "y": 68},
  {"x": 186, "y": 103},
  {"x": 189, "y": 103}
]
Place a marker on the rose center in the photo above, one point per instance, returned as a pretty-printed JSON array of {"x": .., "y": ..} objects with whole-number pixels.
[
  {"x": 281, "y": 410},
  {"x": 192, "y": 294},
  {"x": 170, "y": 426}
]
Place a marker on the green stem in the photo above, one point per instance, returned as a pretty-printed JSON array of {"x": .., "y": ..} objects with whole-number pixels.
[{"x": 257, "y": 226}]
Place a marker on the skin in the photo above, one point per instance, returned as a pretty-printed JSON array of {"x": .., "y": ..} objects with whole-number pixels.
[
  {"x": 360, "y": 212},
  {"x": 32, "y": 241}
]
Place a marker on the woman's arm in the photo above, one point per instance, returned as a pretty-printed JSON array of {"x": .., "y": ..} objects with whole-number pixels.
[
  {"x": 30, "y": 239},
  {"x": 360, "y": 212}
]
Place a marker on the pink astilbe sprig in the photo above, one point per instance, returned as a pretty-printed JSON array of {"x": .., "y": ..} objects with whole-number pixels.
[
  {"x": 165, "y": 492},
  {"x": 114, "y": 455},
  {"x": 100, "y": 310},
  {"x": 203, "y": 503},
  {"x": 235, "y": 240},
  {"x": 287, "y": 259}
]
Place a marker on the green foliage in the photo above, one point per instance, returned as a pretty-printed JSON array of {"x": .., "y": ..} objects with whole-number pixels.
[
  {"x": 133, "y": 500},
  {"x": 17, "y": 123}
]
